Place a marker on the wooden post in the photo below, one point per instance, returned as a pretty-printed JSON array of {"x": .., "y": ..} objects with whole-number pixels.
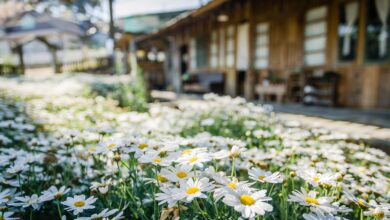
[
  {"x": 125, "y": 59},
  {"x": 361, "y": 32},
  {"x": 250, "y": 75},
  {"x": 175, "y": 69},
  {"x": 112, "y": 36},
  {"x": 332, "y": 36},
  {"x": 56, "y": 66},
  {"x": 133, "y": 59},
  {"x": 167, "y": 75},
  {"x": 231, "y": 82},
  {"x": 19, "y": 50}
]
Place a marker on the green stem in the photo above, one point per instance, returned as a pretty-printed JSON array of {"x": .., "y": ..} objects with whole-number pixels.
[
  {"x": 59, "y": 209},
  {"x": 200, "y": 209},
  {"x": 272, "y": 188},
  {"x": 233, "y": 168}
]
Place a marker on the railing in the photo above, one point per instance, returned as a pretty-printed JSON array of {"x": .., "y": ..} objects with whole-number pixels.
[
  {"x": 99, "y": 65},
  {"x": 94, "y": 65}
]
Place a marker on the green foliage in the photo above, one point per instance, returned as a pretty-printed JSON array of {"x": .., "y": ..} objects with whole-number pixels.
[{"x": 130, "y": 95}]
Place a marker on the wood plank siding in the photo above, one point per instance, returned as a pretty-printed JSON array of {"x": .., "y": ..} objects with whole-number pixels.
[{"x": 280, "y": 44}]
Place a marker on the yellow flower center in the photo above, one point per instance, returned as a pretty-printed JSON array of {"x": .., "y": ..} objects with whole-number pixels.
[
  {"x": 193, "y": 159},
  {"x": 316, "y": 179},
  {"x": 163, "y": 154},
  {"x": 361, "y": 203},
  {"x": 162, "y": 179},
  {"x": 188, "y": 151},
  {"x": 232, "y": 185},
  {"x": 58, "y": 195},
  {"x": 234, "y": 154},
  {"x": 192, "y": 190},
  {"x": 92, "y": 149},
  {"x": 110, "y": 146},
  {"x": 312, "y": 200},
  {"x": 142, "y": 146},
  {"x": 247, "y": 200},
  {"x": 378, "y": 213},
  {"x": 261, "y": 178},
  {"x": 181, "y": 174},
  {"x": 79, "y": 204},
  {"x": 156, "y": 160}
]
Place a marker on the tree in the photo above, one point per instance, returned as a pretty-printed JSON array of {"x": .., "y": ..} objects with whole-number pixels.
[{"x": 82, "y": 9}]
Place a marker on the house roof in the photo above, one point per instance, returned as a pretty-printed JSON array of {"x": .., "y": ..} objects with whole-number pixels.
[
  {"x": 31, "y": 24},
  {"x": 146, "y": 23},
  {"x": 184, "y": 18}
]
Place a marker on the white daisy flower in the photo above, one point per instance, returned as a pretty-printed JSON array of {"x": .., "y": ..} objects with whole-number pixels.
[
  {"x": 27, "y": 201},
  {"x": 358, "y": 201},
  {"x": 318, "y": 216},
  {"x": 108, "y": 146},
  {"x": 207, "y": 122},
  {"x": 314, "y": 178},
  {"x": 53, "y": 193},
  {"x": 265, "y": 176},
  {"x": 155, "y": 159},
  {"x": 102, "y": 215},
  {"x": 166, "y": 196},
  {"x": 79, "y": 203},
  {"x": 175, "y": 174},
  {"x": 6, "y": 195},
  {"x": 249, "y": 204},
  {"x": 140, "y": 146},
  {"x": 194, "y": 151},
  {"x": 227, "y": 184},
  {"x": 234, "y": 152},
  {"x": 321, "y": 204},
  {"x": 9, "y": 182},
  {"x": 192, "y": 189},
  {"x": 101, "y": 187},
  {"x": 194, "y": 158},
  {"x": 7, "y": 216},
  {"x": 378, "y": 211}
]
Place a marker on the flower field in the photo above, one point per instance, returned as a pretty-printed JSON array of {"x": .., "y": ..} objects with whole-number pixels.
[{"x": 70, "y": 154}]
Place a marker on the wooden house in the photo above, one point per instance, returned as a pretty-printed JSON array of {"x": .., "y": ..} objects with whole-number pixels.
[
  {"x": 37, "y": 38},
  {"x": 151, "y": 61},
  {"x": 330, "y": 52}
]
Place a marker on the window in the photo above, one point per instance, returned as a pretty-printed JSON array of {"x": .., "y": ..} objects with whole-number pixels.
[
  {"x": 348, "y": 31},
  {"x": 202, "y": 45},
  {"x": 199, "y": 52},
  {"x": 315, "y": 36},
  {"x": 214, "y": 50},
  {"x": 242, "y": 52},
  {"x": 377, "y": 39},
  {"x": 262, "y": 42},
  {"x": 230, "y": 47},
  {"x": 193, "y": 53}
]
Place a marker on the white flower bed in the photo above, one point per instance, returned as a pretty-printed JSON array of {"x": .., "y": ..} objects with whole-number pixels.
[{"x": 76, "y": 157}]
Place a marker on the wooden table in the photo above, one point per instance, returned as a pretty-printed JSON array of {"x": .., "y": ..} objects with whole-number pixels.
[{"x": 279, "y": 90}]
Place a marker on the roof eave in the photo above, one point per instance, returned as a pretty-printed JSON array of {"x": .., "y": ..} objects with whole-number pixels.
[{"x": 182, "y": 21}]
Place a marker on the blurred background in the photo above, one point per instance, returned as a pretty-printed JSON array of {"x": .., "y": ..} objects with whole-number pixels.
[{"x": 52, "y": 36}]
